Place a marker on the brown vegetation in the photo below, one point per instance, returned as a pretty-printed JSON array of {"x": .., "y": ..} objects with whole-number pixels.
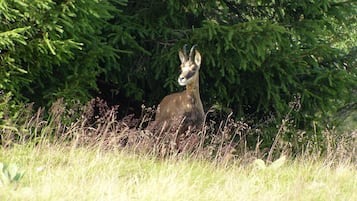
[{"x": 97, "y": 125}]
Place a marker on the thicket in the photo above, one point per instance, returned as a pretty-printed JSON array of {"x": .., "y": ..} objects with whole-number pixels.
[{"x": 266, "y": 61}]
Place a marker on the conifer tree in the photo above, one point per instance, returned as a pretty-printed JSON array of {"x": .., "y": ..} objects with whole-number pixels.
[
  {"x": 257, "y": 55},
  {"x": 51, "y": 49}
]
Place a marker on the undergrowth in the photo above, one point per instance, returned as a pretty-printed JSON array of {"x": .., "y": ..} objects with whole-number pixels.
[{"x": 97, "y": 125}]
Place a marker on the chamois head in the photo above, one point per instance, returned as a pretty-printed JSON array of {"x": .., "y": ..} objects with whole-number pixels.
[{"x": 189, "y": 66}]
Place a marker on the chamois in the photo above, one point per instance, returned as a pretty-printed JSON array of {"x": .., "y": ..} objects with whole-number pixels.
[{"x": 185, "y": 105}]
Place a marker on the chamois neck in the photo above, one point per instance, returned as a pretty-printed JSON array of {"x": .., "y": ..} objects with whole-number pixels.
[{"x": 193, "y": 88}]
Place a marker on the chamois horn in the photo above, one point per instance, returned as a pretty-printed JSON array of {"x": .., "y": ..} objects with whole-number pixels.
[
  {"x": 184, "y": 50},
  {"x": 191, "y": 51}
]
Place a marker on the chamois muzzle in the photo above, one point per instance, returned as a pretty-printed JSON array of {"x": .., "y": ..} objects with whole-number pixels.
[{"x": 185, "y": 77}]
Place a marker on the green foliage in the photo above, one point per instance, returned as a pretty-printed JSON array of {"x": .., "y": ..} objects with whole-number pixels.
[
  {"x": 51, "y": 49},
  {"x": 9, "y": 173},
  {"x": 257, "y": 56}
]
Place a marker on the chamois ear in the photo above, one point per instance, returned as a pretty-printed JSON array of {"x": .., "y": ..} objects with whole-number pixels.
[
  {"x": 198, "y": 58},
  {"x": 182, "y": 57}
]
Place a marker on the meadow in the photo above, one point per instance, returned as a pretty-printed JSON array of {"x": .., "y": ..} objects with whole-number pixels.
[{"x": 57, "y": 172}]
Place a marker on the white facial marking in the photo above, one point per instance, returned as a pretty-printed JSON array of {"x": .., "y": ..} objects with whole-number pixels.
[{"x": 185, "y": 70}]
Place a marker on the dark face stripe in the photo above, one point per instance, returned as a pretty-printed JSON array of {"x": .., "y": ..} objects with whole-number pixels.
[
  {"x": 190, "y": 69},
  {"x": 190, "y": 74}
]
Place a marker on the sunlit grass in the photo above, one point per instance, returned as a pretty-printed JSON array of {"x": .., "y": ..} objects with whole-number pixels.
[{"x": 57, "y": 172}]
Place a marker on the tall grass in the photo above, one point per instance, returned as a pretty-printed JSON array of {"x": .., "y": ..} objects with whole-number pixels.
[
  {"x": 97, "y": 124},
  {"x": 58, "y": 172},
  {"x": 87, "y": 153}
]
